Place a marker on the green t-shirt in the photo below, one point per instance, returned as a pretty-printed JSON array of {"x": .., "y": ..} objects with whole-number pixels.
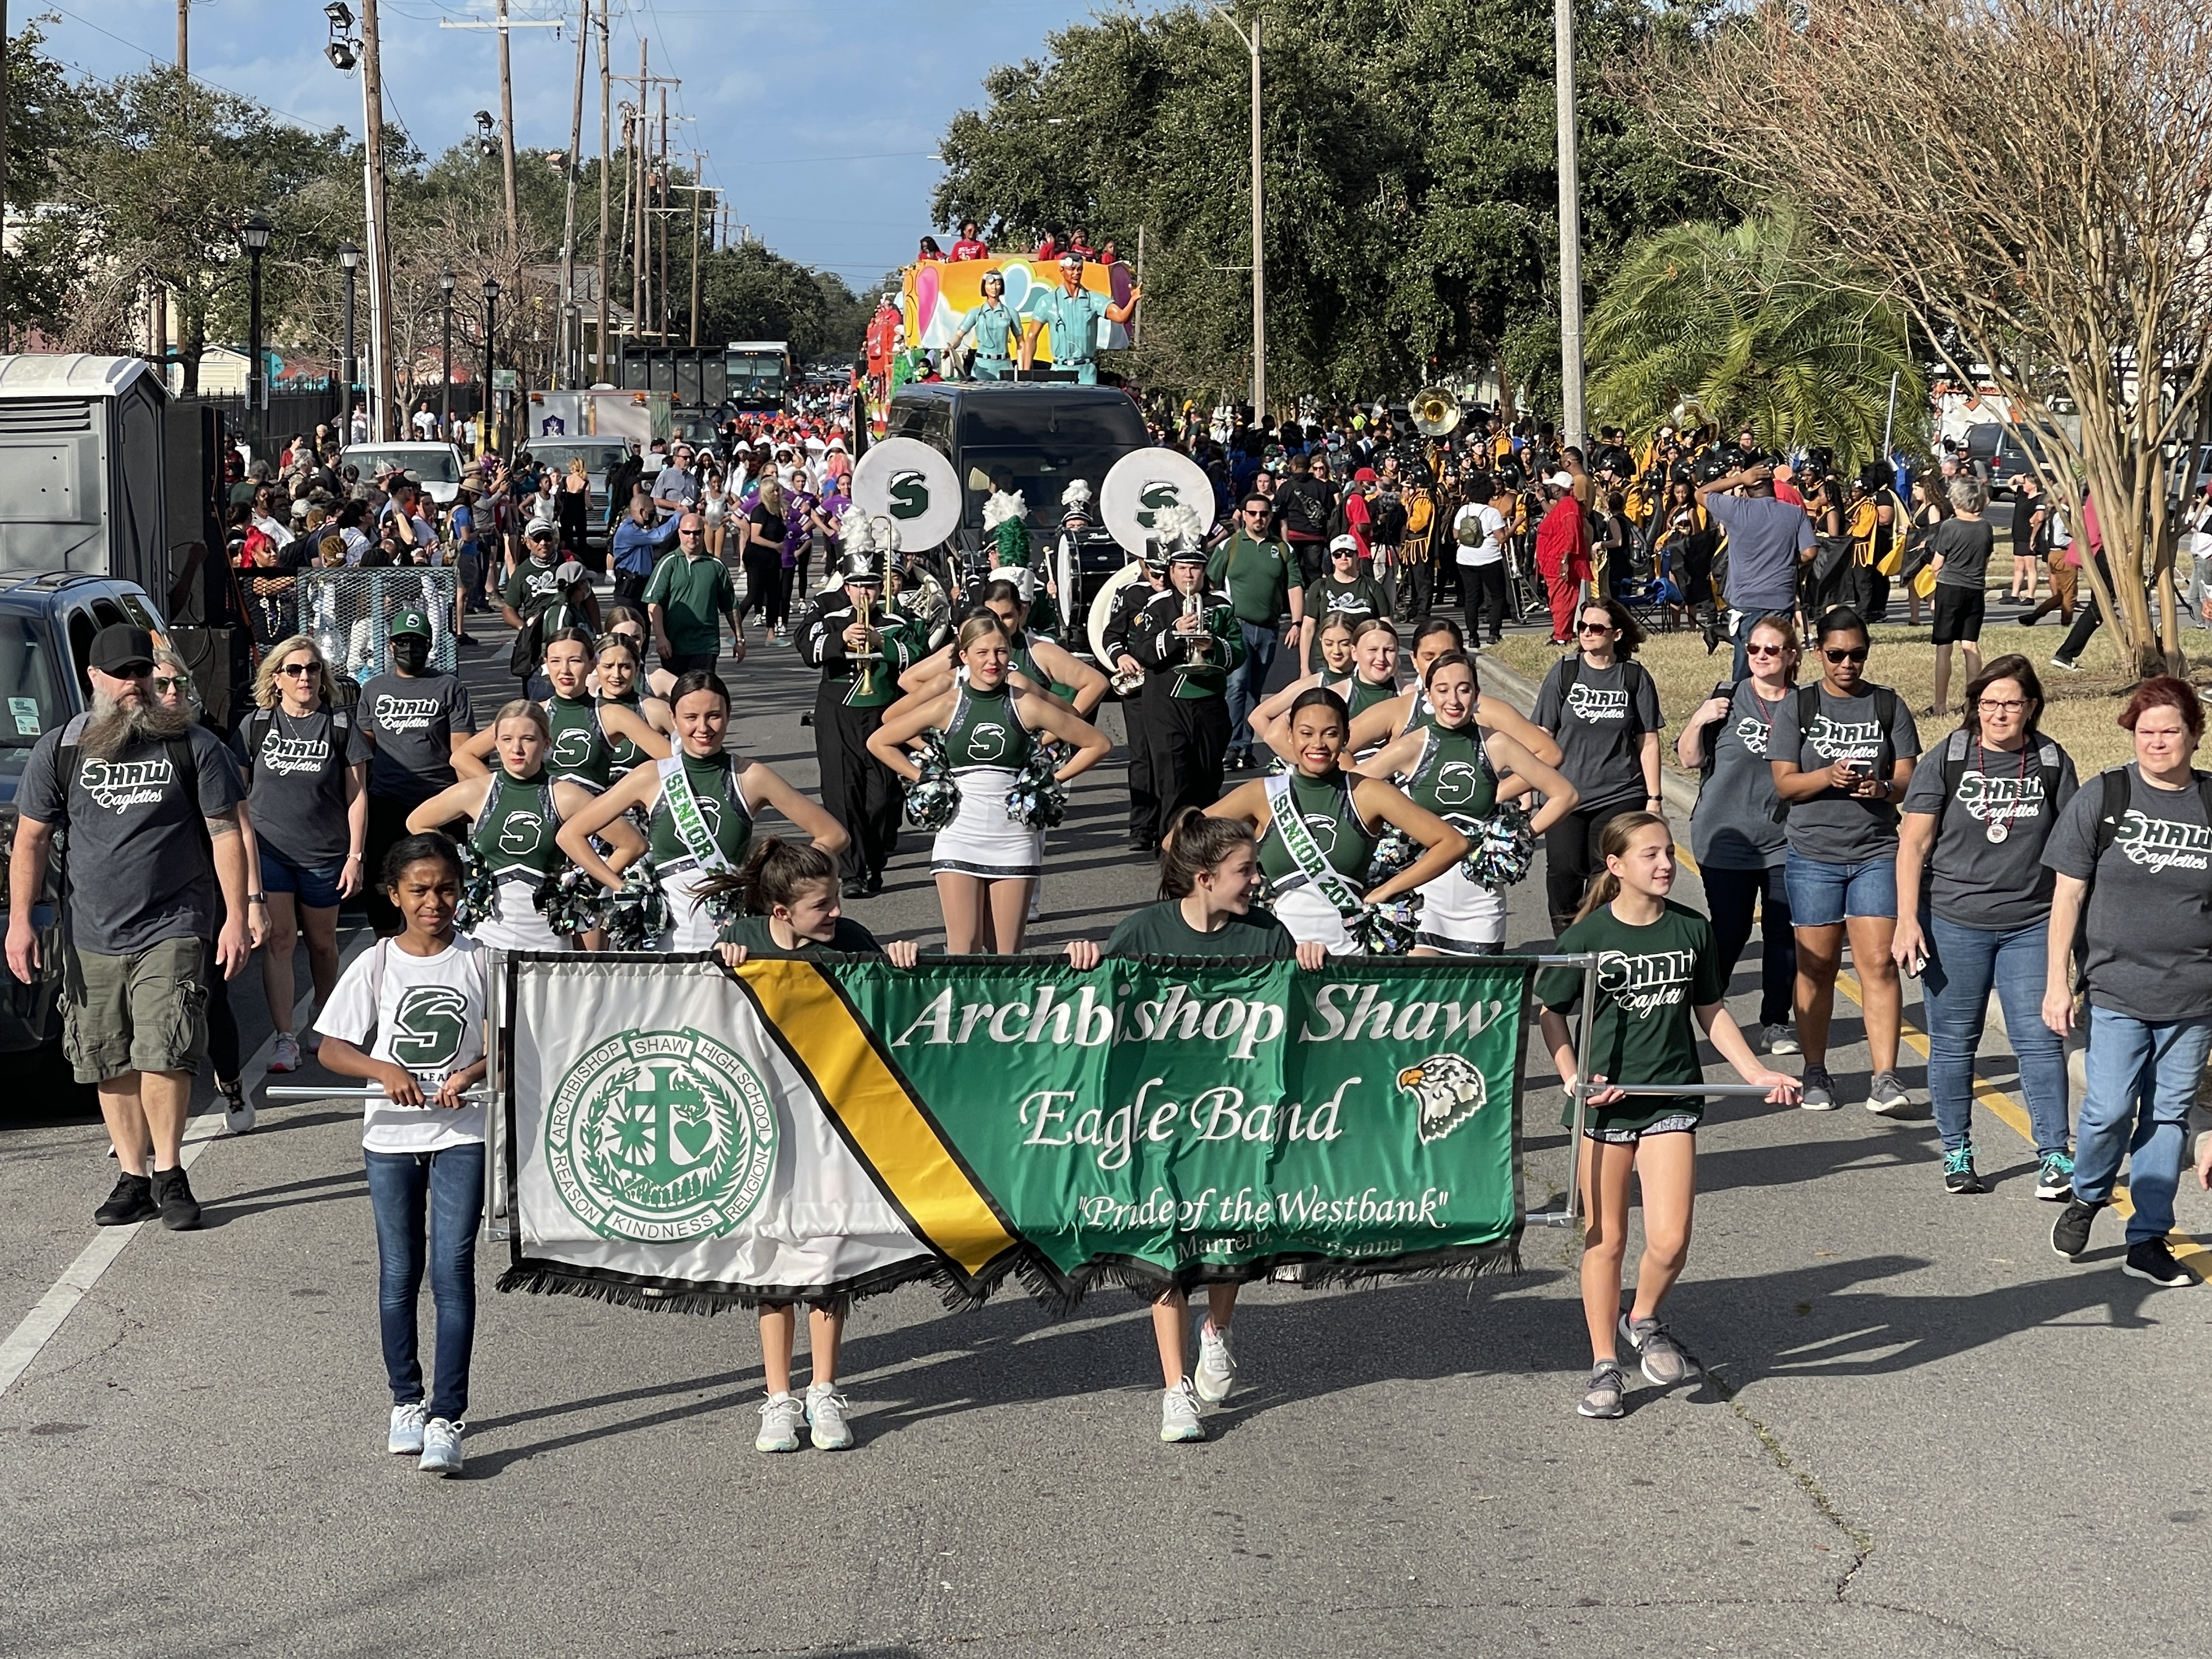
[
  {"x": 696, "y": 593},
  {"x": 1158, "y": 930},
  {"x": 1648, "y": 979},
  {"x": 1258, "y": 577},
  {"x": 851, "y": 940}
]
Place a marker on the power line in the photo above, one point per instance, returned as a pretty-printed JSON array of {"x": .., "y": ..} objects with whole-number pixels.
[{"x": 155, "y": 58}]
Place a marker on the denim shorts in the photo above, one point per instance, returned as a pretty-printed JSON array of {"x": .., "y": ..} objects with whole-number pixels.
[
  {"x": 315, "y": 885},
  {"x": 1822, "y": 894}
]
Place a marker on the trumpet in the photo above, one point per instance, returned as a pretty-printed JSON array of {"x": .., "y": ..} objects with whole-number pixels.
[
  {"x": 864, "y": 613},
  {"x": 1194, "y": 650}
]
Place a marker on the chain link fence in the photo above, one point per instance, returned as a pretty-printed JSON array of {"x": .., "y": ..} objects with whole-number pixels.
[{"x": 348, "y": 613}]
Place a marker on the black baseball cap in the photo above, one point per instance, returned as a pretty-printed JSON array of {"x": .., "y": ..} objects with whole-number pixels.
[{"x": 123, "y": 651}]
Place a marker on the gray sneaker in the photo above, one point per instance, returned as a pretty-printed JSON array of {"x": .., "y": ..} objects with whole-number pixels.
[
  {"x": 1886, "y": 1096},
  {"x": 442, "y": 1447},
  {"x": 1217, "y": 1365},
  {"x": 1179, "y": 1414},
  {"x": 1664, "y": 1363},
  {"x": 825, "y": 1417},
  {"x": 1607, "y": 1385},
  {"x": 1779, "y": 1040},
  {"x": 1820, "y": 1091}
]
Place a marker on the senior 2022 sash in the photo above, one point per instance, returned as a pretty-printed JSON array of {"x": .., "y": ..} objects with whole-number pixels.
[{"x": 679, "y": 1135}]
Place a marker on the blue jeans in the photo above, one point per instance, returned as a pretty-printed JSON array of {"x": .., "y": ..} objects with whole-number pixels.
[
  {"x": 1822, "y": 893},
  {"x": 2143, "y": 1075},
  {"x": 449, "y": 1186},
  {"x": 1963, "y": 964},
  {"x": 1248, "y": 681}
]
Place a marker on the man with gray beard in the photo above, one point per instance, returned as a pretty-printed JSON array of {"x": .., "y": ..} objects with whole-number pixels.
[{"x": 155, "y": 866}]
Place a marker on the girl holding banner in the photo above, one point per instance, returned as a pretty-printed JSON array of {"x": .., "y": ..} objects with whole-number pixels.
[
  {"x": 513, "y": 815},
  {"x": 700, "y": 805},
  {"x": 1414, "y": 708},
  {"x": 1209, "y": 873},
  {"x": 1663, "y": 981},
  {"x": 1318, "y": 825},
  {"x": 1458, "y": 770},
  {"x": 986, "y": 860}
]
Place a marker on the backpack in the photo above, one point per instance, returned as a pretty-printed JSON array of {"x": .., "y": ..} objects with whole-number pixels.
[
  {"x": 1725, "y": 689},
  {"x": 2049, "y": 762},
  {"x": 1886, "y": 710},
  {"x": 2114, "y": 802},
  {"x": 261, "y": 722}
]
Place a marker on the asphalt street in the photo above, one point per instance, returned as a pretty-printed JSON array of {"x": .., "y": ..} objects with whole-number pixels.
[{"x": 1917, "y": 1432}]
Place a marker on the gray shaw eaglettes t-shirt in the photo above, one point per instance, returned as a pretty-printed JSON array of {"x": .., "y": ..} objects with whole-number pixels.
[
  {"x": 411, "y": 722},
  {"x": 1973, "y": 881},
  {"x": 138, "y": 870},
  {"x": 1733, "y": 827},
  {"x": 1600, "y": 725},
  {"x": 1765, "y": 538},
  {"x": 2150, "y": 952},
  {"x": 1835, "y": 827},
  {"x": 297, "y": 783}
]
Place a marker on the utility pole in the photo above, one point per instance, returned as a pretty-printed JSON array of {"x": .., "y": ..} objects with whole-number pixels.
[
  {"x": 184, "y": 37},
  {"x": 663, "y": 215},
  {"x": 507, "y": 134},
  {"x": 698, "y": 191},
  {"x": 1571, "y": 228},
  {"x": 381, "y": 383},
  {"x": 568, "y": 211},
  {"x": 629, "y": 203},
  {"x": 4, "y": 330},
  {"x": 1258, "y": 224},
  {"x": 637, "y": 221},
  {"x": 606, "y": 161}
]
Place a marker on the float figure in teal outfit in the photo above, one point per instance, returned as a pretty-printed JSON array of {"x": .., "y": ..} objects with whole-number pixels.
[
  {"x": 1072, "y": 312},
  {"x": 996, "y": 329}
]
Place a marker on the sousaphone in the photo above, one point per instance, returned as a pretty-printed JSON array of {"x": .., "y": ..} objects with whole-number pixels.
[{"x": 1436, "y": 412}]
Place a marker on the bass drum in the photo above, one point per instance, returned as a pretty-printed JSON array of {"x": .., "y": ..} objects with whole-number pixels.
[{"x": 1101, "y": 612}]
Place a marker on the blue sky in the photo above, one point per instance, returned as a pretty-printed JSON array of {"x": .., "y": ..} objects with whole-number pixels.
[{"x": 819, "y": 118}]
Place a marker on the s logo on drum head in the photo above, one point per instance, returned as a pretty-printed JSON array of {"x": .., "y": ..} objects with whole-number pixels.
[{"x": 909, "y": 496}]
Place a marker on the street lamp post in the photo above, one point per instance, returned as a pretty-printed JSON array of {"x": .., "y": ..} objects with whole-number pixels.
[
  {"x": 575, "y": 314},
  {"x": 491, "y": 328},
  {"x": 254, "y": 233},
  {"x": 349, "y": 258},
  {"x": 446, "y": 354},
  {"x": 1258, "y": 226}
]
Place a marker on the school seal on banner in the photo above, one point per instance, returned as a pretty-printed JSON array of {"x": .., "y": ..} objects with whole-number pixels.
[{"x": 658, "y": 1136}]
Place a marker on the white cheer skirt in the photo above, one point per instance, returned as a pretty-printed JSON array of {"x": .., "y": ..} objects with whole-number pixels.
[
  {"x": 1460, "y": 916},
  {"x": 516, "y": 923},
  {"x": 1313, "y": 919},
  {"x": 982, "y": 840},
  {"x": 691, "y": 926}
]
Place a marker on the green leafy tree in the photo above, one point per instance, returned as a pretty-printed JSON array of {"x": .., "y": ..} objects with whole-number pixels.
[{"x": 1747, "y": 324}]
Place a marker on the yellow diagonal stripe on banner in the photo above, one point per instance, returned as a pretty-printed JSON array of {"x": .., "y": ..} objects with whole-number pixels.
[{"x": 902, "y": 1150}]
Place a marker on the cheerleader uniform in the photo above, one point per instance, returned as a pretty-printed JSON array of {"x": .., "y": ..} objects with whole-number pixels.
[
  {"x": 986, "y": 746},
  {"x": 677, "y": 868},
  {"x": 1454, "y": 779},
  {"x": 624, "y": 757},
  {"x": 1345, "y": 841},
  {"x": 514, "y": 834},
  {"x": 579, "y": 753}
]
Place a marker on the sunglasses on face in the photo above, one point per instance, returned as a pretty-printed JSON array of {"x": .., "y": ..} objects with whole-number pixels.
[
  {"x": 1856, "y": 654},
  {"x": 1762, "y": 651},
  {"x": 167, "y": 687},
  {"x": 302, "y": 670},
  {"x": 1596, "y": 627}
]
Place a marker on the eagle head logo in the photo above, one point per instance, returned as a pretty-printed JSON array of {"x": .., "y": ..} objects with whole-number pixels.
[{"x": 1448, "y": 1089}]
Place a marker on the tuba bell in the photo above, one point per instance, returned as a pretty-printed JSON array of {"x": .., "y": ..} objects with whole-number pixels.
[{"x": 1435, "y": 410}]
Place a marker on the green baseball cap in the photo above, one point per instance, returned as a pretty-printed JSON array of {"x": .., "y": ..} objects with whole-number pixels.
[{"x": 409, "y": 622}]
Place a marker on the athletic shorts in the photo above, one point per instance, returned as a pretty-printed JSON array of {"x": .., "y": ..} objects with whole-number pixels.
[
  {"x": 314, "y": 886},
  {"x": 1675, "y": 1123},
  {"x": 144, "y": 1012},
  {"x": 1823, "y": 893},
  {"x": 1958, "y": 614}
]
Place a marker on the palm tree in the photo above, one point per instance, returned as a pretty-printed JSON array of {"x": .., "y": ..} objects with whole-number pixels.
[{"x": 1748, "y": 326}]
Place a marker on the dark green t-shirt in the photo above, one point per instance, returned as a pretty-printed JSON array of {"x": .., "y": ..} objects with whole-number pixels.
[
  {"x": 851, "y": 940},
  {"x": 695, "y": 595},
  {"x": 1158, "y": 930},
  {"x": 1648, "y": 979}
]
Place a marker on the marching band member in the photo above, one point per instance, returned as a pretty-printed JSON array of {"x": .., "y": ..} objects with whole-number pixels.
[
  {"x": 1130, "y": 682},
  {"x": 700, "y": 803},
  {"x": 1318, "y": 825},
  {"x": 862, "y": 649},
  {"x": 1188, "y": 640},
  {"x": 1412, "y": 709},
  {"x": 985, "y": 860},
  {"x": 513, "y": 815}
]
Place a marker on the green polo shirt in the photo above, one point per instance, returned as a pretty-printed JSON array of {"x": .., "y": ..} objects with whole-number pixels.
[
  {"x": 694, "y": 590},
  {"x": 1257, "y": 575}
]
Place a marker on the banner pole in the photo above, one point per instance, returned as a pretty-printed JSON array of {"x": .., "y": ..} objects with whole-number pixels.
[{"x": 1583, "y": 1044}]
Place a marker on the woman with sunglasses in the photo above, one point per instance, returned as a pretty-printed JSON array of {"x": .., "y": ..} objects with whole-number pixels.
[
  {"x": 1602, "y": 709},
  {"x": 1842, "y": 754},
  {"x": 306, "y": 762},
  {"x": 1976, "y": 820},
  {"x": 1413, "y": 709},
  {"x": 1346, "y": 591},
  {"x": 996, "y": 329}
]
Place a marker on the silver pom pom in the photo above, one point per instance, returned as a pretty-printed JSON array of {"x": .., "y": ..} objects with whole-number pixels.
[
  {"x": 570, "y": 901},
  {"x": 636, "y": 916},
  {"x": 479, "y": 890},
  {"x": 1038, "y": 799},
  {"x": 934, "y": 798},
  {"x": 1504, "y": 850}
]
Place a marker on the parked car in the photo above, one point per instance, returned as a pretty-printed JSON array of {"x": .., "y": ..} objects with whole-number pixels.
[
  {"x": 439, "y": 466},
  {"x": 47, "y": 623}
]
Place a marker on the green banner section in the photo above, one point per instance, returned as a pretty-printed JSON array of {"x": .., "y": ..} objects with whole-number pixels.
[{"x": 1150, "y": 1120}]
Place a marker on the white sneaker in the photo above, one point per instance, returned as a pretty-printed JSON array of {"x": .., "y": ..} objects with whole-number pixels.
[
  {"x": 1780, "y": 1039},
  {"x": 406, "y": 1438},
  {"x": 237, "y": 1110},
  {"x": 780, "y": 1418},
  {"x": 825, "y": 1416},
  {"x": 442, "y": 1447},
  {"x": 1217, "y": 1365},
  {"x": 285, "y": 1055},
  {"x": 1179, "y": 1414}
]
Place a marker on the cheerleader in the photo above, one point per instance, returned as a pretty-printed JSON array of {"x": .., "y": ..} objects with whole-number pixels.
[
  {"x": 513, "y": 815},
  {"x": 1410, "y": 710},
  {"x": 584, "y": 728},
  {"x": 1316, "y": 856},
  {"x": 615, "y": 681},
  {"x": 984, "y": 860},
  {"x": 1038, "y": 664},
  {"x": 627, "y": 622},
  {"x": 1372, "y": 683},
  {"x": 1459, "y": 770},
  {"x": 1336, "y": 673},
  {"x": 700, "y": 805}
]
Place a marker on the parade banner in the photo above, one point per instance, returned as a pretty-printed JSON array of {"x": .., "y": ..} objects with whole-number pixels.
[
  {"x": 936, "y": 296},
  {"x": 679, "y": 1135}
]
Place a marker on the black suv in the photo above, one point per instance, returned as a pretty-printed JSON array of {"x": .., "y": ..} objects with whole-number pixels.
[{"x": 47, "y": 623}]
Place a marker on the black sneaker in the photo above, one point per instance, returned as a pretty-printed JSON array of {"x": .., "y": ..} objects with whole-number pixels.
[
  {"x": 181, "y": 1211},
  {"x": 2069, "y": 1233},
  {"x": 855, "y": 889},
  {"x": 133, "y": 1201},
  {"x": 1959, "y": 1176},
  {"x": 2149, "y": 1258}
]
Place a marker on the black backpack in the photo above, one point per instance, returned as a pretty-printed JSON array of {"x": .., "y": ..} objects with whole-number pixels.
[
  {"x": 1632, "y": 675},
  {"x": 1887, "y": 710},
  {"x": 2114, "y": 804}
]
